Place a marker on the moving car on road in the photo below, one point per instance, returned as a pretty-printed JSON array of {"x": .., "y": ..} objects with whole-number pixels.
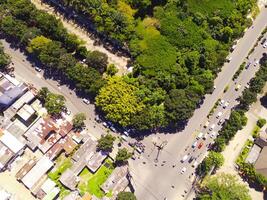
[
  {"x": 238, "y": 86},
  {"x": 200, "y": 145},
  {"x": 194, "y": 144},
  {"x": 183, "y": 170},
  {"x": 184, "y": 158}
]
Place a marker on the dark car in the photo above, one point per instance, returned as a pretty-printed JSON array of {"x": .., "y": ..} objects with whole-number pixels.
[
  {"x": 263, "y": 41},
  {"x": 191, "y": 159}
]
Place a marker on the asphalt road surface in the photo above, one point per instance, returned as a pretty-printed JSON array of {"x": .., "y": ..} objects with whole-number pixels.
[{"x": 163, "y": 179}]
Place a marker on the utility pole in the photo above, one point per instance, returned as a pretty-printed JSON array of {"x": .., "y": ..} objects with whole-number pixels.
[{"x": 160, "y": 147}]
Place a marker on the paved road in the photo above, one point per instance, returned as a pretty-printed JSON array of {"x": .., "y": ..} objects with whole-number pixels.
[
  {"x": 164, "y": 180},
  {"x": 24, "y": 71}
]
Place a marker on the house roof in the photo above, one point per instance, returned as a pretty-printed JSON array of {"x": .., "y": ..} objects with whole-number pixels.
[
  {"x": 253, "y": 154},
  {"x": 11, "y": 142},
  {"x": 261, "y": 163},
  {"x": 34, "y": 175},
  {"x": 10, "y": 96},
  {"x": 69, "y": 179}
]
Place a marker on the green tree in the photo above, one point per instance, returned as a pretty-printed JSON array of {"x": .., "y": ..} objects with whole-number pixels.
[
  {"x": 112, "y": 70},
  {"x": 78, "y": 120},
  {"x": 38, "y": 44},
  {"x": 105, "y": 143},
  {"x": 54, "y": 103},
  {"x": 43, "y": 93},
  {"x": 118, "y": 100},
  {"x": 261, "y": 122},
  {"x": 178, "y": 105},
  {"x": 97, "y": 60},
  {"x": 126, "y": 196},
  {"x": 223, "y": 186},
  {"x": 213, "y": 159},
  {"x": 122, "y": 156}
]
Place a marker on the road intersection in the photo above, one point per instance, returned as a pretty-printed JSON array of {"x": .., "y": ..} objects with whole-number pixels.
[{"x": 161, "y": 179}]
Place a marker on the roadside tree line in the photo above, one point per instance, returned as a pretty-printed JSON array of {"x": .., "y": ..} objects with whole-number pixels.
[{"x": 236, "y": 122}]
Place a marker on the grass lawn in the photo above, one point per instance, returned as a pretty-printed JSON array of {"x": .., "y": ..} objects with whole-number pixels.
[
  {"x": 62, "y": 163},
  {"x": 91, "y": 182}
]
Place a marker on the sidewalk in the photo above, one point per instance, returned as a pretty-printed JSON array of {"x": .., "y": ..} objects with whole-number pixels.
[{"x": 235, "y": 146}]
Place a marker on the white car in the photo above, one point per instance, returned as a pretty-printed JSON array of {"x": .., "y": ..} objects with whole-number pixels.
[
  {"x": 194, "y": 144},
  {"x": 212, "y": 127},
  {"x": 195, "y": 164},
  {"x": 264, "y": 45},
  {"x": 183, "y": 170},
  {"x": 256, "y": 63},
  {"x": 184, "y": 158},
  {"x": 206, "y": 124},
  {"x": 200, "y": 135},
  {"x": 226, "y": 104},
  {"x": 68, "y": 112},
  {"x": 86, "y": 101},
  {"x": 218, "y": 115},
  {"x": 229, "y": 59},
  {"x": 220, "y": 122},
  {"x": 237, "y": 87},
  {"x": 221, "y": 102},
  {"x": 38, "y": 69}
]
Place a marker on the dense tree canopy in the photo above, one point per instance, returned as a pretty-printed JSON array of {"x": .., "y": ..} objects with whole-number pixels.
[
  {"x": 105, "y": 143},
  {"x": 118, "y": 100},
  {"x": 126, "y": 196},
  {"x": 223, "y": 186},
  {"x": 78, "y": 120},
  {"x": 177, "y": 48}
]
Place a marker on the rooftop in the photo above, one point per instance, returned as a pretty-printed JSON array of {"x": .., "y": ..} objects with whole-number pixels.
[
  {"x": 117, "y": 181},
  {"x": 69, "y": 179},
  {"x": 261, "y": 163},
  {"x": 40, "y": 169}
]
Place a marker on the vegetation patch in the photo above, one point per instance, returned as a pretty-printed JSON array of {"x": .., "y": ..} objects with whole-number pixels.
[
  {"x": 62, "y": 164},
  {"x": 93, "y": 182}
]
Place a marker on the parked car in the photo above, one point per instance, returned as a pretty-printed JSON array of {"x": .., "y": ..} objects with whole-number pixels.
[
  {"x": 220, "y": 121},
  {"x": 38, "y": 69},
  {"x": 195, "y": 164},
  {"x": 238, "y": 86},
  {"x": 228, "y": 59},
  {"x": 183, "y": 170},
  {"x": 264, "y": 45},
  {"x": 247, "y": 65},
  {"x": 218, "y": 115},
  {"x": 221, "y": 102},
  {"x": 86, "y": 101},
  {"x": 200, "y": 135},
  {"x": 212, "y": 127},
  {"x": 226, "y": 104},
  {"x": 206, "y": 124},
  {"x": 263, "y": 41},
  {"x": 256, "y": 63}
]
